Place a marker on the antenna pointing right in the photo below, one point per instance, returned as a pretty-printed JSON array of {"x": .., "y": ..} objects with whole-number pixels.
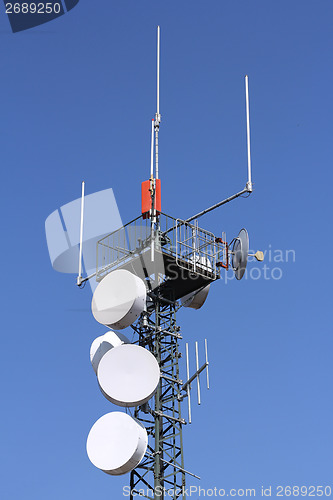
[{"x": 249, "y": 180}]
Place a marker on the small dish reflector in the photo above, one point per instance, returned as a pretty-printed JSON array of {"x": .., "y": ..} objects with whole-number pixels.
[
  {"x": 101, "y": 345},
  {"x": 240, "y": 252},
  {"x": 117, "y": 443},
  {"x": 119, "y": 299},
  {"x": 195, "y": 300},
  {"x": 259, "y": 256},
  {"x": 128, "y": 375}
]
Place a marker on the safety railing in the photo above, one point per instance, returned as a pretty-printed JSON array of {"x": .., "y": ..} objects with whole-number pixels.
[{"x": 193, "y": 248}]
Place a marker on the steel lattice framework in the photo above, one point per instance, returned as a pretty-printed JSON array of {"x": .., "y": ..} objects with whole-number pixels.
[
  {"x": 185, "y": 260},
  {"x": 176, "y": 259},
  {"x": 163, "y": 466}
]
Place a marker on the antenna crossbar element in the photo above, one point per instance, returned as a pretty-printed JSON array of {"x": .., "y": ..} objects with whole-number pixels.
[
  {"x": 176, "y": 467},
  {"x": 79, "y": 278},
  {"x": 223, "y": 202},
  {"x": 169, "y": 417},
  {"x": 194, "y": 376}
]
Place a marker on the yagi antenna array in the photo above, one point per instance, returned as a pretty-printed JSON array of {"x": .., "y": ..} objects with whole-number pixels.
[{"x": 187, "y": 385}]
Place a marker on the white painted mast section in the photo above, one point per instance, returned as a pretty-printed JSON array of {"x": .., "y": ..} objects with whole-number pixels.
[
  {"x": 157, "y": 115},
  {"x": 79, "y": 278},
  {"x": 249, "y": 181},
  {"x": 152, "y": 151},
  {"x": 158, "y": 68},
  {"x": 152, "y": 187}
]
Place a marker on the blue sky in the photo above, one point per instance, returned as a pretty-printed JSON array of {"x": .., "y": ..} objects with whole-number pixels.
[{"x": 78, "y": 95}]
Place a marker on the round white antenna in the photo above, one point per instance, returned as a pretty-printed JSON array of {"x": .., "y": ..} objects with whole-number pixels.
[
  {"x": 128, "y": 375},
  {"x": 240, "y": 252},
  {"x": 119, "y": 299},
  {"x": 117, "y": 443},
  {"x": 101, "y": 345},
  {"x": 195, "y": 300}
]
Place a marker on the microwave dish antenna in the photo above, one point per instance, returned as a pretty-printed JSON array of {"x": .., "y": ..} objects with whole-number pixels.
[
  {"x": 195, "y": 300},
  {"x": 128, "y": 375},
  {"x": 240, "y": 252},
  {"x": 119, "y": 299},
  {"x": 101, "y": 345},
  {"x": 117, "y": 443}
]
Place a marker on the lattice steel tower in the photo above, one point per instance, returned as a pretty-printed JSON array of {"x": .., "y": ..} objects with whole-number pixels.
[{"x": 177, "y": 261}]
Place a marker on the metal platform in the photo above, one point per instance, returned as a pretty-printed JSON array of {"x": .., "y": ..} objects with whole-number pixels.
[{"x": 172, "y": 256}]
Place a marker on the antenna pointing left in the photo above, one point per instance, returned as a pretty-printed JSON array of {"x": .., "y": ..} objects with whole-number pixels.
[{"x": 79, "y": 278}]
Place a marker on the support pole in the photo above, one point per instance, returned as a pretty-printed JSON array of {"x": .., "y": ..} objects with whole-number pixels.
[
  {"x": 249, "y": 179},
  {"x": 79, "y": 278},
  {"x": 152, "y": 151},
  {"x": 157, "y": 115},
  {"x": 158, "y": 68}
]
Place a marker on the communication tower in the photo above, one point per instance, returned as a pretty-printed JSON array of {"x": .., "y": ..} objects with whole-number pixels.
[{"x": 146, "y": 271}]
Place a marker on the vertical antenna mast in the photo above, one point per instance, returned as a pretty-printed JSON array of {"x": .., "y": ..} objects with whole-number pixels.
[
  {"x": 249, "y": 181},
  {"x": 157, "y": 115},
  {"x": 79, "y": 278},
  {"x": 152, "y": 187},
  {"x": 152, "y": 151}
]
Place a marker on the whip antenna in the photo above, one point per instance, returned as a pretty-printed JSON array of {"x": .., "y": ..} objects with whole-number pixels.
[
  {"x": 249, "y": 180},
  {"x": 79, "y": 278},
  {"x": 157, "y": 115},
  {"x": 152, "y": 151}
]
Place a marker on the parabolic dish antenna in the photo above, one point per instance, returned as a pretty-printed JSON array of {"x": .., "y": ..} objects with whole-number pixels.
[
  {"x": 117, "y": 443},
  {"x": 119, "y": 299},
  {"x": 240, "y": 252},
  {"x": 195, "y": 300},
  {"x": 128, "y": 375},
  {"x": 101, "y": 345}
]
